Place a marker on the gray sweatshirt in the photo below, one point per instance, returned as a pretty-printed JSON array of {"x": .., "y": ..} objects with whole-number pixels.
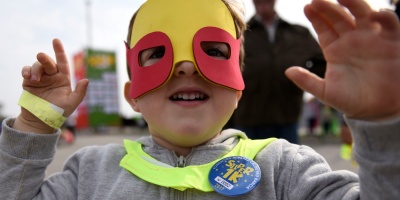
[{"x": 288, "y": 171}]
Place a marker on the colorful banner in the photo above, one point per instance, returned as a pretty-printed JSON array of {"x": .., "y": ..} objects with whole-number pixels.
[{"x": 100, "y": 106}]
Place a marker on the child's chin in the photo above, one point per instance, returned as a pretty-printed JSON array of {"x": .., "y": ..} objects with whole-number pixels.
[{"x": 190, "y": 141}]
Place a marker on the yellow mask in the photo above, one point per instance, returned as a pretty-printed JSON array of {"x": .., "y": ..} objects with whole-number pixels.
[{"x": 180, "y": 26}]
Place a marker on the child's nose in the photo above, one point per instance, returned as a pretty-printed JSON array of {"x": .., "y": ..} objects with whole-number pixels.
[{"x": 185, "y": 68}]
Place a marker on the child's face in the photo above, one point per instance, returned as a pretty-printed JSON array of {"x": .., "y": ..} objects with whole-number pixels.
[{"x": 184, "y": 68}]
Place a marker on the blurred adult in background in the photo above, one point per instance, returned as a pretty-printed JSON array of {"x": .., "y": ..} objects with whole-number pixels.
[{"x": 271, "y": 104}]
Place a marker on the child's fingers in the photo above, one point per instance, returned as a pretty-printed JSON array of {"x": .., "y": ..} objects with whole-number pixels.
[
  {"x": 26, "y": 72},
  {"x": 48, "y": 64},
  {"x": 361, "y": 11},
  {"x": 326, "y": 34},
  {"x": 389, "y": 23},
  {"x": 335, "y": 15},
  {"x": 359, "y": 8},
  {"x": 36, "y": 71},
  {"x": 61, "y": 57}
]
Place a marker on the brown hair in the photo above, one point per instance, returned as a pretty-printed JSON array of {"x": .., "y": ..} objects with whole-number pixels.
[{"x": 235, "y": 7}]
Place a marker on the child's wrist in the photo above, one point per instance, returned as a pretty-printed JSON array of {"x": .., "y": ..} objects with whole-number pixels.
[
  {"x": 41, "y": 109},
  {"x": 27, "y": 122}
]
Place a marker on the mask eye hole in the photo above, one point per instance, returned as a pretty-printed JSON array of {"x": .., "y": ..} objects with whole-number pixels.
[
  {"x": 217, "y": 50},
  {"x": 151, "y": 56}
]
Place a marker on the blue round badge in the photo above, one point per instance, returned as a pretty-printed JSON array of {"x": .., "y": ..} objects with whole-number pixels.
[{"x": 235, "y": 175}]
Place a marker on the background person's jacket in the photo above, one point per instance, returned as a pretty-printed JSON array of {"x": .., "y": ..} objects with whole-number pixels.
[{"x": 269, "y": 97}]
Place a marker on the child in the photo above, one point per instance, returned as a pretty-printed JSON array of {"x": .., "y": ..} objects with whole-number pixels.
[{"x": 183, "y": 58}]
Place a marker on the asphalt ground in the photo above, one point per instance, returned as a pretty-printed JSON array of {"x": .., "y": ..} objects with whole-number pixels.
[{"x": 327, "y": 146}]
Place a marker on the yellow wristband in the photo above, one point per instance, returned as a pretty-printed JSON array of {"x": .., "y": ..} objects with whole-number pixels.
[{"x": 50, "y": 114}]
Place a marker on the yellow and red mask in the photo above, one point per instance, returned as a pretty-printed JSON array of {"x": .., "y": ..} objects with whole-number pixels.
[{"x": 180, "y": 26}]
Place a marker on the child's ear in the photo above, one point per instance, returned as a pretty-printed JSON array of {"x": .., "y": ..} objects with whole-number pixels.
[{"x": 132, "y": 102}]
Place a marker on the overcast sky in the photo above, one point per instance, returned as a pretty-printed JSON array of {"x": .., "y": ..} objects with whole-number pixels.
[{"x": 28, "y": 27}]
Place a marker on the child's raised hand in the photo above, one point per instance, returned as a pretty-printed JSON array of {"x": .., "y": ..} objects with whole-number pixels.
[
  {"x": 362, "y": 49},
  {"x": 50, "y": 80}
]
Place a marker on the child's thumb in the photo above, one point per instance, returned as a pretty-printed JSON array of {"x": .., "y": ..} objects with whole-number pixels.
[
  {"x": 306, "y": 80},
  {"x": 79, "y": 93}
]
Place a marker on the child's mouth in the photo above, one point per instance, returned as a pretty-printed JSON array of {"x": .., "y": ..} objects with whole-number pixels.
[{"x": 189, "y": 96}]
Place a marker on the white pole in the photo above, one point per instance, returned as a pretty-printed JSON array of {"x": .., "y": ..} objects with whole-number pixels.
[{"x": 89, "y": 34}]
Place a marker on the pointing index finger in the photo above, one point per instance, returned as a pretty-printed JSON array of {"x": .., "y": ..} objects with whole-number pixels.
[{"x": 61, "y": 57}]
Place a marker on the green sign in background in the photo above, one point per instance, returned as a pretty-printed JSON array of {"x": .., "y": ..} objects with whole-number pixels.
[{"x": 102, "y": 94}]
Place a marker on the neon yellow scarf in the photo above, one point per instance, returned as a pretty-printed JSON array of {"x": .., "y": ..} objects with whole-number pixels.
[{"x": 149, "y": 169}]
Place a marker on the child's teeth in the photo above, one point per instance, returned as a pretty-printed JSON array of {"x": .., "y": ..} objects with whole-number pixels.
[{"x": 188, "y": 96}]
